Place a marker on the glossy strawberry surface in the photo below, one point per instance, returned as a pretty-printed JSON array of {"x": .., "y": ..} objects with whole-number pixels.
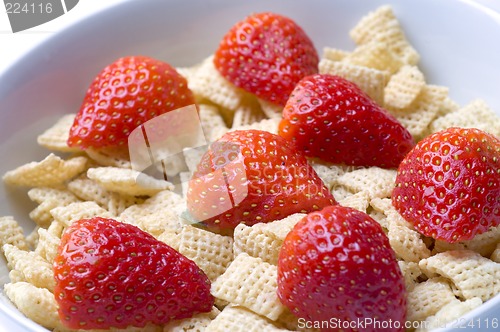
[
  {"x": 266, "y": 54},
  {"x": 252, "y": 176},
  {"x": 336, "y": 265},
  {"x": 331, "y": 118},
  {"x": 112, "y": 274},
  {"x": 124, "y": 95},
  {"x": 448, "y": 186}
]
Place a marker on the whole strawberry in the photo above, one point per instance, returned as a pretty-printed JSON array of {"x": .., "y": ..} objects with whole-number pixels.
[
  {"x": 336, "y": 265},
  {"x": 331, "y": 118},
  {"x": 252, "y": 176},
  {"x": 112, "y": 274},
  {"x": 448, "y": 186},
  {"x": 124, "y": 95},
  {"x": 266, "y": 54}
]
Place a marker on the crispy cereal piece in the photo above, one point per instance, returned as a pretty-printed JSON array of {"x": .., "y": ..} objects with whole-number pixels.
[
  {"x": 328, "y": 173},
  {"x": 193, "y": 157},
  {"x": 374, "y": 181},
  {"x": 35, "y": 269},
  {"x": 114, "y": 157},
  {"x": 358, "y": 201},
  {"x": 89, "y": 190},
  {"x": 471, "y": 274},
  {"x": 49, "y": 172},
  {"x": 240, "y": 319},
  {"x": 47, "y": 245},
  {"x": 48, "y": 199},
  {"x": 411, "y": 272},
  {"x": 426, "y": 298},
  {"x": 376, "y": 55},
  {"x": 157, "y": 213},
  {"x": 249, "y": 113},
  {"x": 171, "y": 238},
  {"x": 407, "y": 244},
  {"x": 340, "y": 192},
  {"x": 476, "y": 114},
  {"x": 393, "y": 218},
  {"x": 257, "y": 242},
  {"x": 208, "y": 84},
  {"x": 211, "y": 121},
  {"x": 211, "y": 252},
  {"x": 371, "y": 81},
  {"x": 127, "y": 181},
  {"x": 56, "y": 137},
  {"x": 36, "y": 303},
  {"x": 382, "y": 26},
  {"x": 252, "y": 283},
  {"x": 495, "y": 256},
  {"x": 270, "y": 125},
  {"x": 403, "y": 87},
  {"x": 280, "y": 228},
  {"x": 68, "y": 214},
  {"x": 271, "y": 110},
  {"x": 197, "y": 323},
  {"x": 12, "y": 233},
  {"x": 334, "y": 54},
  {"x": 483, "y": 244}
]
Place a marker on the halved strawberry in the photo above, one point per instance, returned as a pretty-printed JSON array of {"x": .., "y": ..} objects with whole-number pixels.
[
  {"x": 252, "y": 176},
  {"x": 448, "y": 186},
  {"x": 124, "y": 95},
  {"x": 112, "y": 274},
  {"x": 336, "y": 265},
  {"x": 266, "y": 54},
  {"x": 331, "y": 118}
]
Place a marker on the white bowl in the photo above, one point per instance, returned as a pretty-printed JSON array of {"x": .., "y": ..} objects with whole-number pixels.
[{"x": 458, "y": 42}]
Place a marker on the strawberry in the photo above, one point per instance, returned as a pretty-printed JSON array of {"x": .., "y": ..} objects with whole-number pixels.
[
  {"x": 448, "y": 186},
  {"x": 112, "y": 274},
  {"x": 336, "y": 265},
  {"x": 266, "y": 54},
  {"x": 331, "y": 118},
  {"x": 251, "y": 176},
  {"x": 124, "y": 95}
]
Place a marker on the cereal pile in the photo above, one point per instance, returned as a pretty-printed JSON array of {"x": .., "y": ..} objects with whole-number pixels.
[{"x": 443, "y": 280}]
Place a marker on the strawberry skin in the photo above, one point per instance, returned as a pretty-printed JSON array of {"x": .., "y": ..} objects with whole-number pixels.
[
  {"x": 124, "y": 95},
  {"x": 337, "y": 264},
  {"x": 252, "y": 176},
  {"x": 266, "y": 54},
  {"x": 448, "y": 186},
  {"x": 331, "y": 118},
  {"x": 112, "y": 274}
]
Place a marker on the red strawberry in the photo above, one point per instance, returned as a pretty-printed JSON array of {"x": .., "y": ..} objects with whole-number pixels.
[
  {"x": 112, "y": 274},
  {"x": 124, "y": 95},
  {"x": 448, "y": 186},
  {"x": 266, "y": 54},
  {"x": 251, "y": 176},
  {"x": 330, "y": 118},
  {"x": 336, "y": 265}
]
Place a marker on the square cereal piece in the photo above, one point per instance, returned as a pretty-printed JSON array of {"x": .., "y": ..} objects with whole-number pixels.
[
  {"x": 407, "y": 244},
  {"x": 476, "y": 114},
  {"x": 280, "y": 228},
  {"x": 240, "y": 319},
  {"x": 334, "y": 54},
  {"x": 48, "y": 199},
  {"x": 257, "y": 242},
  {"x": 49, "y": 172},
  {"x": 403, "y": 87},
  {"x": 156, "y": 214},
  {"x": 495, "y": 255},
  {"x": 47, "y": 245},
  {"x": 471, "y": 274},
  {"x": 341, "y": 192},
  {"x": 42, "y": 194},
  {"x": 484, "y": 243},
  {"x": 34, "y": 268},
  {"x": 38, "y": 304},
  {"x": 56, "y": 137},
  {"x": 270, "y": 125},
  {"x": 197, "y": 323},
  {"x": 376, "y": 182},
  {"x": 426, "y": 298},
  {"x": 411, "y": 272},
  {"x": 251, "y": 283},
  {"x": 211, "y": 121},
  {"x": 450, "y": 312},
  {"x": 376, "y": 55},
  {"x": 328, "y": 173},
  {"x": 12, "y": 233},
  {"x": 392, "y": 216},
  {"x": 249, "y": 113},
  {"x": 208, "y": 84},
  {"x": 211, "y": 252},
  {"x": 358, "y": 201},
  {"x": 70, "y": 213},
  {"x": 114, "y": 157},
  {"x": 127, "y": 181},
  {"x": 371, "y": 81},
  {"x": 382, "y": 25},
  {"x": 271, "y": 110},
  {"x": 170, "y": 237}
]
